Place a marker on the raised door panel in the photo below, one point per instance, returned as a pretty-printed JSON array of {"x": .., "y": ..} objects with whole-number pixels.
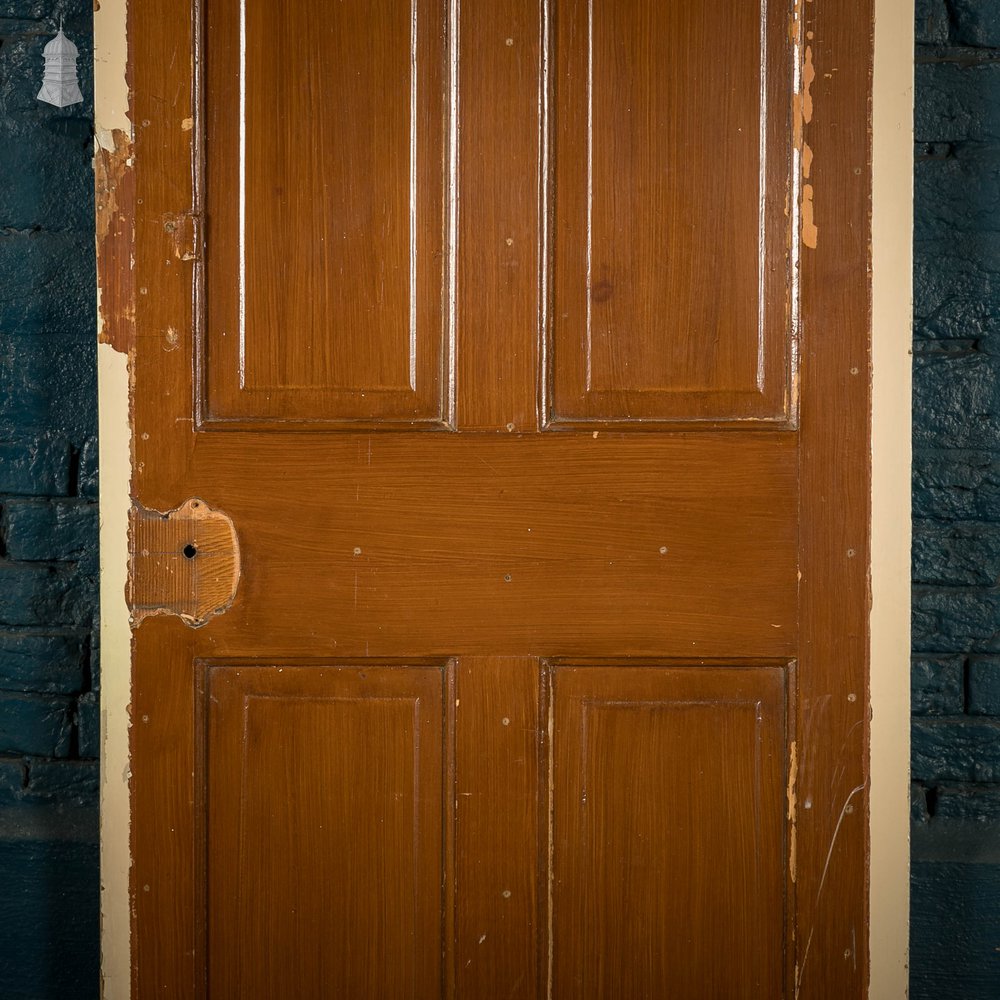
[
  {"x": 323, "y": 803},
  {"x": 668, "y": 831},
  {"x": 324, "y": 190},
  {"x": 671, "y": 142}
]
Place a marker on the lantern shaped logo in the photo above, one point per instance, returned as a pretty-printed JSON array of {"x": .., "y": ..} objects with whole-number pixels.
[{"x": 59, "y": 84}]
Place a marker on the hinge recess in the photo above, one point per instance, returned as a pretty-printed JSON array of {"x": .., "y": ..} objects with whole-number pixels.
[
  {"x": 183, "y": 562},
  {"x": 185, "y": 235}
]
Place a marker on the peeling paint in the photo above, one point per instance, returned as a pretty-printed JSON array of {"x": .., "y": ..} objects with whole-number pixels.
[
  {"x": 183, "y": 562},
  {"x": 802, "y": 115},
  {"x": 114, "y": 190},
  {"x": 808, "y": 75},
  {"x": 807, "y": 160},
  {"x": 114, "y": 186},
  {"x": 810, "y": 233}
]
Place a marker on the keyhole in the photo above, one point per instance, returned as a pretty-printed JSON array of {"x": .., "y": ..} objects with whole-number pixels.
[{"x": 189, "y": 551}]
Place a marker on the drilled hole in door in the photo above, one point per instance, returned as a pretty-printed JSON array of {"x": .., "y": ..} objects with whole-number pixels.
[{"x": 189, "y": 551}]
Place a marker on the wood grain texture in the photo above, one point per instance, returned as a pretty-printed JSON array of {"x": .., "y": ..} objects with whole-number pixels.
[
  {"x": 546, "y": 544},
  {"x": 833, "y": 708},
  {"x": 670, "y": 259},
  {"x": 500, "y": 772},
  {"x": 314, "y": 884},
  {"x": 324, "y": 198},
  {"x": 499, "y": 249},
  {"x": 668, "y": 791}
]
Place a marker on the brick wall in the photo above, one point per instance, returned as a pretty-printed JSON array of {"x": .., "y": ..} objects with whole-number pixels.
[
  {"x": 48, "y": 519},
  {"x": 955, "y": 933}
]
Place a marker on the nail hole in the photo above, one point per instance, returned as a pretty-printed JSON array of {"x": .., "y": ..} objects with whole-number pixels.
[
  {"x": 189, "y": 551},
  {"x": 506, "y": 578}
]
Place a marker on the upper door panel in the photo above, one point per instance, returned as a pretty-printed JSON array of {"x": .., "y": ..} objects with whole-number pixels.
[
  {"x": 671, "y": 230},
  {"x": 324, "y": 194}
]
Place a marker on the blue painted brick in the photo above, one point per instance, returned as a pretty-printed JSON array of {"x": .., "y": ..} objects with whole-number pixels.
[
  {"x": 956, "y": 288},
  {"x": 957, "y": 102},
  {"x": 957, "y": 398},
  {"x": 46, "y": 171},
  {"x": 47, "y": 384},
  {"x": 44, "y": 10},
  {"x": 955, "y": 913},
  {"x": 950, "y": 749},
  {"x": 49, "y": 285},
  {"x": 38, "y": 467},
  {"x": 956, "y": 484},
  {"x": 13, "y": 779},
  {"x": 918, "y": 803},
  {"x": 49, "y": 909},
  {"x": 40, "y": 594},
  {"x": 70, "y": 783},
  {"x": 40, "y": 725},
  {"x": 964, "y": 554},
  {"x": 937, "y": 685},
  {"x": 36, "y": 781},
  {"x": 958, "y": 193},
  {"x": 57, "y": 530},
  {"x": 89, "y": 723},
  {"x": 931, "y": 22},
  {"x": 955, "y": 620},
  {"x": 42, "y": 661},
  {"x": 977, "y": 803},
  {"x": 984, "y": 685},
  {"x": 976, "y": 22}
]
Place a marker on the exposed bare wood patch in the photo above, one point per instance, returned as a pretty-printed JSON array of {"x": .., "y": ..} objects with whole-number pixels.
[
  {"x": 183, "y": 562},
  {"x": 114, "y": 184}
]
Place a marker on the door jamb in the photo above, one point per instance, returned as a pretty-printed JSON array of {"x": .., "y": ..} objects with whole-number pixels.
[
  {"x": 890, "y": 561},
  {"x": 889, "y": 636}
]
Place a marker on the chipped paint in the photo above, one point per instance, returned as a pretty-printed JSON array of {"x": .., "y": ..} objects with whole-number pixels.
[
  {"x": 183, "y": 562},
  {"x": 808, "y": 75},
  {"x": 810, "y": 234},
  {"x": 802, "y": 115},
  {"x": 115, "y": 329},
  {"x": 114, "y": 188}
]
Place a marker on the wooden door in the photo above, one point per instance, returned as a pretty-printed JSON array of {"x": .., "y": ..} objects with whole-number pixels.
[{"x": 499, "y": 546}]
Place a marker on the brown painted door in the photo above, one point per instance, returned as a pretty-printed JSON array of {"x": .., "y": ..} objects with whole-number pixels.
[{"x": 500, "y": 464}]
